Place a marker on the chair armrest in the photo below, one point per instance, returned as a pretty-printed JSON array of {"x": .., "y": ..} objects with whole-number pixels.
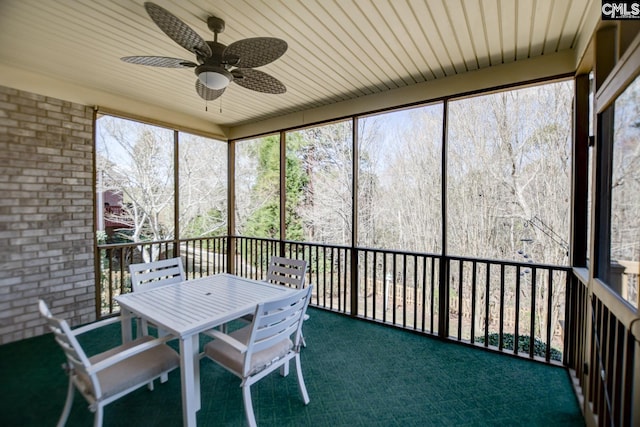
[
  {"x": 95, "y": 325},
  {"x": 213, "y": 333},
  {"x": 123, "y": 355}
]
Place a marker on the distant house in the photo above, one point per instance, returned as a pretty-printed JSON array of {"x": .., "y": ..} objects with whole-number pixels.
[{"x": 113, "y": 216}]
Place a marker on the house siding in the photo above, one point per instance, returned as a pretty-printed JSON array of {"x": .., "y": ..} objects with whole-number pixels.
[{"x": 46, "y": 212}]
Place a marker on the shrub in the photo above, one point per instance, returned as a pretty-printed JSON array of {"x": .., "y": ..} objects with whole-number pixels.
[{"x": 539, "y": 347}]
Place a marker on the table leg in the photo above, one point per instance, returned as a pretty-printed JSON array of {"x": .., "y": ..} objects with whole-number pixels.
[
  {"x": 196, "y": 369},
  {"x": 125, "y": 320},
  {"x": 190, "y": 376}
]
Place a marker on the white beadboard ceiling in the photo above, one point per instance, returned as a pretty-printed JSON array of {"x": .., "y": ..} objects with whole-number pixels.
[{"x": 339, "y": 50}]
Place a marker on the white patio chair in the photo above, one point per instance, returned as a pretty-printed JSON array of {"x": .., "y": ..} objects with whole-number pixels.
[
  {"x": 150, "y": 275},
  {"x": 286, "y": 272},
  {"x": 265, "y": 345},
  {"x": 107, "y": 376}
]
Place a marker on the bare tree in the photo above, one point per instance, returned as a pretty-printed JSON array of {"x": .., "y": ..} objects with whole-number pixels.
[
  {"x": 408, "y": 198},
  {"x": 508, "y": 177},
  {"x": 327, "y": 161},
  {"x": 137, "y": 161},
  {"x": 203, "y": 186},
  {"x": 370, "y": 163},
  {"x": 625, "y": 180},
  {"x": 509, "y": 163},
  {"x": 140, "y": 166}
]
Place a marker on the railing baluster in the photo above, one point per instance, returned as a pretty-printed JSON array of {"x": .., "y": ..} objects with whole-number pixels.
[
  {"x": 460, "y": 297},
  {"x": 404, "y": 290},
  {"x": 217, "y": 257},
  {"x": 385, "y": 300},
  {"x": 122, "y": 263},
  {"x": 324, "y": 276},
  {"x": 549, "y": 315},
  {"x": 364, "y": 276},
  {"x": 487, "y": 297},
  {"x": 331, "y": 274},
  {"x": 433, "y": 292},
  {"x": 474, "y": 271},
  {"x": 340, "y": 268},
  {"x": 110, "y": 254},
  {"x": 534, "y": 296},
  {"x": 501, "y": 326},
  {"x": 532, "y": 332},
  {"x": 374, "y": 297},
  {"x": 516, "y": 328},
  {"x": 424, "y": 293},
  {"x": 394, "y": 281},
  {"x": 341, "y": 274},
  {"x": 415, "y": 292},
  {"x": 317, "y": 276}
]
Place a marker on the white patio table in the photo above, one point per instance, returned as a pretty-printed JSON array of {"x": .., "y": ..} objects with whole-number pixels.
[{"x": 185, "y": 309}]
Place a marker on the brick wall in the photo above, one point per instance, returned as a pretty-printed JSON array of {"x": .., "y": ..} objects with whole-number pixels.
[{"x": 46, "y": 212}]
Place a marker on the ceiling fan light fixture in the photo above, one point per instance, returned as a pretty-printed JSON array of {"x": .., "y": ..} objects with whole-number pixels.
[{"x": 215, "y": 78}]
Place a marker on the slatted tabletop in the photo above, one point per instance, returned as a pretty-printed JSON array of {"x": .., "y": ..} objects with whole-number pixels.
[{"x": 199, "y": 304}]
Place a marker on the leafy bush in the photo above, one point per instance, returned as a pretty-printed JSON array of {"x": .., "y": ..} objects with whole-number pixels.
[
  {"x": 101, "y": 237},
  {"x": 539, "y": 347}
]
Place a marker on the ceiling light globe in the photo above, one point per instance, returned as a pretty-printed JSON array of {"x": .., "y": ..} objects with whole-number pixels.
[
  {"x": 214, "y": 80},
  {"x": 213, "y": 77}
]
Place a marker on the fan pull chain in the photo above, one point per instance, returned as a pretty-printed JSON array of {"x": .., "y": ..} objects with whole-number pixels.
[
  {"x": 206, "y": 101},
  {"x": 206, "y": 106}
]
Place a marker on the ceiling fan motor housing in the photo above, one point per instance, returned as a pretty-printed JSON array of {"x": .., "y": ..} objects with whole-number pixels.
[{"x": 213, "y": 67}]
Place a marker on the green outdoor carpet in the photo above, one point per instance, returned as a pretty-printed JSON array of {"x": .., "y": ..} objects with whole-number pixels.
[{"x": 357, "y": 374}]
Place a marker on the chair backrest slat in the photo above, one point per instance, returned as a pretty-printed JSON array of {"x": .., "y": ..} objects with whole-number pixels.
[
  {"x": 150, "y": 275},
  {"x": 288, "y": 272}
]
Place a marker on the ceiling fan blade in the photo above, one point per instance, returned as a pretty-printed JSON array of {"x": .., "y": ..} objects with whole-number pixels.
[
  {"x": 206, "y": 93},
  {"x": 179, "y": 32},
  {"x": 255, "y": 52},
  {"x": 159, "y": 61},
  {"x": 259, "y": 81}
]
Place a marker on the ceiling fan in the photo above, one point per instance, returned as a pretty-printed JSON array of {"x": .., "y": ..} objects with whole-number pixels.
[{"x": 217, "y": 64}]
